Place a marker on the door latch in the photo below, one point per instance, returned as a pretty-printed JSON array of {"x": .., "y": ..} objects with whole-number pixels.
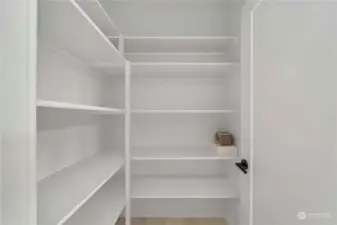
[{"x": 243, "y": 166}]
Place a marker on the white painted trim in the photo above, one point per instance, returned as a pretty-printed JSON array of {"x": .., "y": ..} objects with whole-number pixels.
[
  {"x": 32, "y": 88},
  {"x": 252, "y": 76},
  {"x": 19, "y": 49},
  {"x": 1, "y": 134},
  {"x": 2, "y": 28},
  {"x": 127, "y": 143},
  {"x": 247, "y": 215}
]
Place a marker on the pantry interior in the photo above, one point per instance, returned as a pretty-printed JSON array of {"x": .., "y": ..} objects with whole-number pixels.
[
  {"x": 109, "y": 111},
  {"x": 129, "y": 97}
]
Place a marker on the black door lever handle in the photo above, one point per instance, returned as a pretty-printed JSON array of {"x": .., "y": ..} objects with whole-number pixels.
[{"x": 243, "y": 166}]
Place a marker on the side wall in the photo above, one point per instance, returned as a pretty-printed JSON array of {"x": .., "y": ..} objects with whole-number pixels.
[
  {"x": 175, "y": 18},
  {"x": 18, "y": 72}
]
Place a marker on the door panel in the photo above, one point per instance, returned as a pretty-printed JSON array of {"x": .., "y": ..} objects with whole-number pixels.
[{"x": 294, "y": 113}]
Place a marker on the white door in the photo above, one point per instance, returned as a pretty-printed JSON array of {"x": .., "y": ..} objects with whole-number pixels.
[{"x": 293, "y": 115}]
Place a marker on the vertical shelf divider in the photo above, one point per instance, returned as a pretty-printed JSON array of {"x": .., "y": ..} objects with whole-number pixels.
[{"x": 127, "y": 143}]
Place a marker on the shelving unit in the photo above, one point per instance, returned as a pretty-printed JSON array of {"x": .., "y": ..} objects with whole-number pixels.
[
  {"x": 61, "y": 194},
  {"x": 82, "y": 157},
  {"x": 126, "y": 120},
  {"x": 183, "y": 89},
  {"x": 176, "y": 86},
  {"x": 109, "y": 211}
]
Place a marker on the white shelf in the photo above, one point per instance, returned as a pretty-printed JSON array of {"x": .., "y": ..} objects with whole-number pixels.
[
  {"x": 77, "y": 107},
  {"x": 157, "y": 111},
  {"x": 232, "y": 38},
  {"x": 178, "y": 153},
  {"x": 97, "y": 13},
  {"x": 175, "y": 1},
  {"x": 66, "y": 25},
  {"x": 174, "y": 44},
  {"x": 193, "y": 69},
  {"x": 156, "y": 54},
  {"x": 179, "y": 57},
  {"x": 147, "y": 187},
  {"x": 115, "y": 70},
  {"x": 63, "y": 193},
  {"x": 104, "y": 208}
]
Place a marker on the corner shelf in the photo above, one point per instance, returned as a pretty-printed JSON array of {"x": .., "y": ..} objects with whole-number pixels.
[
  {"x": 78, "y": 107},
  {"x": 86, "y": 42},
  {"x": 63, "y": 193}
]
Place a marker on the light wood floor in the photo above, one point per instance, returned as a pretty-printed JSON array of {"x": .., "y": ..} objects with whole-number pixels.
[{"x": 169, "y": 221}]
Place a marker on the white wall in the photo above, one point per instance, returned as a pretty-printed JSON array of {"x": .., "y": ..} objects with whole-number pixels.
[
  {"x": 2, "y": 30},
  {"x": 175, "y": 18},
  {"x": 18, "y": 111},
  {"x": 295, "y": 113}
]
